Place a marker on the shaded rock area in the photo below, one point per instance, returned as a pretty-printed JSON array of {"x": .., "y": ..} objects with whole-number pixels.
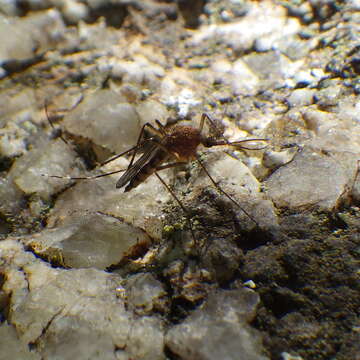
[{"x": 259, "y": 260}]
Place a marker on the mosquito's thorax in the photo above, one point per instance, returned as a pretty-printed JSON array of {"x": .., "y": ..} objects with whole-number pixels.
[{"x": 183, "y": 141}]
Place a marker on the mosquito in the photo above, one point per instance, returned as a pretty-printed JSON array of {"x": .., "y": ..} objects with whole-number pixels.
[{"x": 169, "y": 147}]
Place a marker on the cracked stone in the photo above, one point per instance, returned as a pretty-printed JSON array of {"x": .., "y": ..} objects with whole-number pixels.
[
  {"x": 311, "y": 179},
  {"x": 12, "y": 347},
  {"x": 96, "y": 241},
  {"x": 54, "y": 158},
  {"x": 146, "y": 294},
  {"x": 119, "y": 126},
  {"x": 76, "y": 313},
  {"x": 219, "y": 330}
]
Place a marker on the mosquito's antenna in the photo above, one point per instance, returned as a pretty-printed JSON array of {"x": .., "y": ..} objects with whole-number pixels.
[
  {"x": 238, "y": 144},
  {"x": 224, "y": 193}
]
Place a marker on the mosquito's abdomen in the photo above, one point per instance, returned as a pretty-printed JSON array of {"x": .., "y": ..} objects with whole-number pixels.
[
  {"x": 147, "y": 170},
  {"x": 139, "y": 178}
]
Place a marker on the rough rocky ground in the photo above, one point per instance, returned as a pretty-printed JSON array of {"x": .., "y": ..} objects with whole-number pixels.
[{"x": 90, "y": 272}]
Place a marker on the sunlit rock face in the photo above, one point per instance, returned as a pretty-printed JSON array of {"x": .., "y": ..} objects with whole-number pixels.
[{"x": 88, "y": 271}]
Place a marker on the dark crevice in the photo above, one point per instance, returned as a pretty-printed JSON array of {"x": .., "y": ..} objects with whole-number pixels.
[
  {"x": 6, "y": 163},
  {"x": 281, "y": 301},
  {"x": 180, "y": 309},
  {"x": 55, "y": 261},
  {"x": 171, "y": 355},
  {"x": 113, "y": 13},
  {"x": 14, "y": 66},
  {"x": 5, "y": 227},
  {"x": 254, "y": 239},
  {"x": 4, "y": 300},
  {"x": 335, "y": 222},
  {"x": 33, "y": 345},
  {"x": 191, "y": 11}
]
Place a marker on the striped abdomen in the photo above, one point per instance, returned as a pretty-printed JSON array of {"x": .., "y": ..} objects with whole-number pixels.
[{"x": 144, "y": 167}]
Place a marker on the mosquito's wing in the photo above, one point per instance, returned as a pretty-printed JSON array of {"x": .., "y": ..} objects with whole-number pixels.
[
  {"x": 139, "y": 164},
  {"x": 138, "y": 148}
]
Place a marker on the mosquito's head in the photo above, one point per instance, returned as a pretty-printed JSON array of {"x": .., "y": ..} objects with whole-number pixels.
[{"x": 210, "y": 141}]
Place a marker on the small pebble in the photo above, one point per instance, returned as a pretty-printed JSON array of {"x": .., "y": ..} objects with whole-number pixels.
[
  {"x": 287, "y": 356},
  {"x": 250, "y": 284}
]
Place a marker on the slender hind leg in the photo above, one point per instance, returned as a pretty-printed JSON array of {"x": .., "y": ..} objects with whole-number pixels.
[
  {"x": 219, "y": 189},
  {"x": 176, "y": 198}
]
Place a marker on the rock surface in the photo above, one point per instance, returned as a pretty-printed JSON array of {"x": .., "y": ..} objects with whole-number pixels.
[
  {"x": 90, "y": 271},
  {"x": 219, "y": 329},
  {"x": 66, "y": 322}
]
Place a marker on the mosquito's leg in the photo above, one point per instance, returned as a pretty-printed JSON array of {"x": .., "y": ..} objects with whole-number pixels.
[
  {"x": 213, "y": 124},
  {"x": 166, "y": 166},
  {"x": 134, "y": 148},
  {"x": 146, "y": 125},
  {"x": 51, "y": 124},
  {"x": 178, "y": 201},
  {"x": 160, "y": 132},
  {"x": 112, "y": 172},
  {"x": 170, "y": 165},
  {"x": 84, "y": 177},
  {"x": 63, "y": 139},
  {"x": 202, "y": 121},
  {"x": 46, "y": 102},
  {"x": 139, "y": 145},
  {"x": 161, "y": 127},
  {"x": 226, "y": 194},
  {"x": 152, "y": 128}
]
